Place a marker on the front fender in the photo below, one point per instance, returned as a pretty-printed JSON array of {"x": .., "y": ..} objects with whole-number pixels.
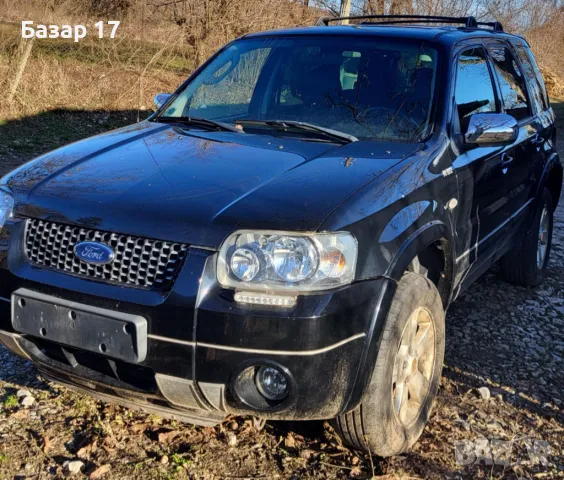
[
  {"x": 427, "y": 234},
  {"x": 394, "y": 218},
  {"x": 390, "y": 237}
]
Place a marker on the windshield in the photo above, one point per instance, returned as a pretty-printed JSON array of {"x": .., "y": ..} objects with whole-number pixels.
[{"x": 372, "y": 89}]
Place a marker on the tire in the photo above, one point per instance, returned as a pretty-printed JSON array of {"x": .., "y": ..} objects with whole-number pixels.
[
  {"x": 375, "y": 426},
  {"x": 520, "y": 265}
]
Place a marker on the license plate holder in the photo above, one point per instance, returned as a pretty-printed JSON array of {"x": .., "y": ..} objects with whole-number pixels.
[{"x": 114, "y": 334}]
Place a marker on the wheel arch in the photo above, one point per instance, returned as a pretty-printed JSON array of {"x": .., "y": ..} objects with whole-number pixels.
[
  {"x": 433, "y": 237},
  {"x": 552, "y": 177},
  {"x": 430, "y": 247},
  {"x": 554, "y": 183}
]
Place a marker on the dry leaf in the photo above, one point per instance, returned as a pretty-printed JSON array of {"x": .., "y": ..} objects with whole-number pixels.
[
  {"x": 307, "y": 453},
  {"x": 101, "y": 471},
  {"x": 109, "y": 450},
  {"x": 20, "y": 414},
  {"x": 209, "y": 432},
  {"x": 356, "y": 472},
  {"x": 87, "y": 449},
  {"x": 290, "y": 442},
  {"x": 47, "y": 444},
  {"x": 138, "y": 427},
  {"x": 167, "y": 437}
]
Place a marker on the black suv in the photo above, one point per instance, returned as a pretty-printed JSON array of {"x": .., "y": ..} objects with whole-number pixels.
[{"x": 283, "y": 236}]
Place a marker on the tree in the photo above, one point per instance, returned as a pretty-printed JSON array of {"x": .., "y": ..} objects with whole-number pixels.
[{"x": 345, "y": 10}]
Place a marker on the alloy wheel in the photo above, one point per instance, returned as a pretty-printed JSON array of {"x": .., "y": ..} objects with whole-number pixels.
[
  {"x": 413, "y": 366},
  {"x": 542, "y": 244}
]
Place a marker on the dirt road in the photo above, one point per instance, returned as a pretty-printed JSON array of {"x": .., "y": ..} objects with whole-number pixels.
[{"x": 503, "y": 342}]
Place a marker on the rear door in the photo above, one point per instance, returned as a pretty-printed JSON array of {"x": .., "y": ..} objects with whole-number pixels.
[{"x": 544, "y": 116}]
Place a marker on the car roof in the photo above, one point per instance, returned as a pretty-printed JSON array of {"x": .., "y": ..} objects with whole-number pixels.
[{"x": 440, "y": 34}]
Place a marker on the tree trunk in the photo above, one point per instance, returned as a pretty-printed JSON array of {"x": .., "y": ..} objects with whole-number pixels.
[
  {"x": 345, "y": 10},
  {"x": 24, "y": 52}
]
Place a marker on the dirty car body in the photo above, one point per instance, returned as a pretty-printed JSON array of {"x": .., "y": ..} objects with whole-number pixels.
[{"x": 160, "y": 322}]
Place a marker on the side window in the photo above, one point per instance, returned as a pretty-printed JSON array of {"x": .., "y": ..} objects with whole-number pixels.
[
  {"x": 349, "y": 70},
  {"x": 534, "y": 76},
  {"x": 511, "y": 82},
  {"x": 474, "y": 92}
]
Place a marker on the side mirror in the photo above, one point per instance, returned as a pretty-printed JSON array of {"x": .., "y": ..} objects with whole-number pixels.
[
  {"x": 161, "y": 98},
  {"x": 491, "y": 129}
]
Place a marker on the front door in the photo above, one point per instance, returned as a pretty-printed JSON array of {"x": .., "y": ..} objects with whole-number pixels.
[{"x": 481, "y": 171}]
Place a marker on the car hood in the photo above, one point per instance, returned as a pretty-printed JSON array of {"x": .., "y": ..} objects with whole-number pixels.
[{"x": 195, "y": 187}]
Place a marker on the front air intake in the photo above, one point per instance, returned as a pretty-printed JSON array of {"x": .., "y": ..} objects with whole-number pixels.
[{"x": 137, "y": 262}]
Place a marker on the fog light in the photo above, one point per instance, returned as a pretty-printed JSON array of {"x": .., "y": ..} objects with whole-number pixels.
[{"x": 271, "y": 383}]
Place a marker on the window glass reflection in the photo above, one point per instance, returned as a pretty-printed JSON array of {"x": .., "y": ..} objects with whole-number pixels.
[
  {"x": 534, "y": 76},
  {"x": 474, "y": 88},
  {"x": 511, "y": 82},
  {"x": 377, "y": 89}
]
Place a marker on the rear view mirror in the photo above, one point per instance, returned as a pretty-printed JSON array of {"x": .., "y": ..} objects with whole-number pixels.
[
  {"x": 491, "y": 129},
  {"x": 160, "y": 99}
]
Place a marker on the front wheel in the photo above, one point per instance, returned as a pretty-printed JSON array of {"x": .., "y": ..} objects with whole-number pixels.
[
  {"x": 526, "y": 264},
  {"x": 398, "y": 400}
]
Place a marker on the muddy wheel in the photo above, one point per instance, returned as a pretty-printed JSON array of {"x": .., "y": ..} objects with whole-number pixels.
[
  {"x": 526, "y": 264},
  {"x": 398, "y": 400}
]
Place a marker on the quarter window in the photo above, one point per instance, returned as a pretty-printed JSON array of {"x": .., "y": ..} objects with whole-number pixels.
[
  {"x": 474, "y": 89},
  {"x": 534, "y": 76},
  {"x": 511, "y": 82}
]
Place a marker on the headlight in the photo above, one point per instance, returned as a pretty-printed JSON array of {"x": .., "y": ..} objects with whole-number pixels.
[
  {"x": 287, "y": 261},
  {"x": 6, "y": 207}
]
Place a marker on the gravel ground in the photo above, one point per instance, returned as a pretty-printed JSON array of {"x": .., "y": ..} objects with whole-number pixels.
[{"x": 499, "y": 414}]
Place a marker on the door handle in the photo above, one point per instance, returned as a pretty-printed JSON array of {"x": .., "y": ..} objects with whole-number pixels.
[{"x": 506, "y": 159}]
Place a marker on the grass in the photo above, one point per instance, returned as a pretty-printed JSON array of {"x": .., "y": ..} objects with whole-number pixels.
[
  {"x": 558, "y": 107},
  {"x": 91, "y": 50},
  {"x": 179, "y": 461},
  {"x": 25, "y": 138},
  {"x": 82, "y": 406},
  {"x": 10, "y": 401},
  {"x": 93, "y": 74}
]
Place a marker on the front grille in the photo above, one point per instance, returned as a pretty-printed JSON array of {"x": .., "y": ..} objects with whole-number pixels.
[{"x": 138, "y": 262}]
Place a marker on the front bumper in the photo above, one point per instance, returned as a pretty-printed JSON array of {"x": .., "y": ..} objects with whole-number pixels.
[
  {"x": 199, "y": 339},
  {"x": 92, "y": 382}
]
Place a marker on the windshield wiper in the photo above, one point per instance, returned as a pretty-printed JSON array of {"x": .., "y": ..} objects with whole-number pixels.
[
  {"x": 286, "y": 125},
  {"x": 200, "y": 122}
]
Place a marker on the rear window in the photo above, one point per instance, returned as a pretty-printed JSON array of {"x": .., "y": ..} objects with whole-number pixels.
[{"x": 511, "y": 82}]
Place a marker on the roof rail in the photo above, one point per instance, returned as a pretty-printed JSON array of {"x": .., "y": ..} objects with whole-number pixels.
[
  {"x": 496, "y": 26},
  {"x": 468, "y": 22}
]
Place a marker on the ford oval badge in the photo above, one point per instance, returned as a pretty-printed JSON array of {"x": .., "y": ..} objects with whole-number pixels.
[{"x": 94, "y": 252}]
